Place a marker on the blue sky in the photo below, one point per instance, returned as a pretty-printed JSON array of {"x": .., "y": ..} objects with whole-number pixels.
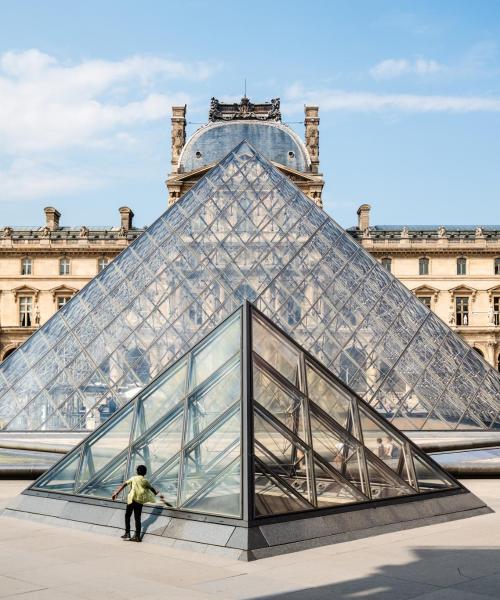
[{"x": 409, "y": 96}]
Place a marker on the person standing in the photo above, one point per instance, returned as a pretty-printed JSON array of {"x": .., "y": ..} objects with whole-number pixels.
[{"x": 141, "y": 491}]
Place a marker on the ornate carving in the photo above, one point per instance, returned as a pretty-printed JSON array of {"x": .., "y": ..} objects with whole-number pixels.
[
  {"x": 245, "y": 110},
  {"x": 7, "y": 232},
  {"x": 84, "y": 232},
  {"x": 45, "y": 231}
]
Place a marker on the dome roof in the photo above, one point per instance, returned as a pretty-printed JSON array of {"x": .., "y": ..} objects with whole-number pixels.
[{"x": 214, "y": 141}]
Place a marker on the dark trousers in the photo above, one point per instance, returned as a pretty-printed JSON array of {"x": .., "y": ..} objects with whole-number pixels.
[{"x": 135, "y": 508}]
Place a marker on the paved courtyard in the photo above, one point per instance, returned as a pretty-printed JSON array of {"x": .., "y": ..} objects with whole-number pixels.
[{"x": 455, "y": 561}]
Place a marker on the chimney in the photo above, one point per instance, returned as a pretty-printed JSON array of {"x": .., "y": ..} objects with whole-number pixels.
[
  {"x": 178, "y": 132},
  {"x": 52, "y": 216},
  {"x": 126, "y": 217},
  {"x": 311, "y": 123},
  {"x": 364, "y": 217}
]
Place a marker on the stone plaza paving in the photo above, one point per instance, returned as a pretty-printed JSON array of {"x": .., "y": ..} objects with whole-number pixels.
[{"x": 456, "y": 561}]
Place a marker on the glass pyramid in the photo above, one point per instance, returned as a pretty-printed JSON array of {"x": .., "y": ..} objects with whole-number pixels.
[
  {"x": 248, "y": 425},
  {"x": 246, "y": 232}
]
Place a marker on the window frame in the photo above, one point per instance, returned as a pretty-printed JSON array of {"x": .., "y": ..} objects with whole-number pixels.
[
  {"x": 102, "y": 258},
  {"x": 464, "y": 301},
  {"x": 496, "y": 265},
  {"x": 30, "y": 314},
  {"x": 386, "y": 260},
  {"x": 496, "y": 310},
  {"x": 421, "y": 297},
  {"x": 424, "y": 260},
  {"x": 60, "y": 297},
  {"x": 461, "y": 260},
  {"x": 26, "y": 260},
  {"x": 64, "y": 260}
]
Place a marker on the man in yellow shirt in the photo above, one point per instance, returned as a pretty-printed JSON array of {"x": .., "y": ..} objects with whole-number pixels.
[{"x": 141, "y": 491}]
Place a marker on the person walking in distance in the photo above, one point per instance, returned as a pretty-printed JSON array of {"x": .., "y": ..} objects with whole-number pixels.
[{"x": 141, "y": 491}]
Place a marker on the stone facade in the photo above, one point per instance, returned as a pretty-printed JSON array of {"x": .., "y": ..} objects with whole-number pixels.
[
  {"x": 308, "y": 179},
  {"x": 42, "y": 267},
  {"x": 455, "y": 271}
]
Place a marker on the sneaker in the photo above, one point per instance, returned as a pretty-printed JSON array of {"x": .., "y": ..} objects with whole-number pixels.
[{"x": 125, "y": 536}]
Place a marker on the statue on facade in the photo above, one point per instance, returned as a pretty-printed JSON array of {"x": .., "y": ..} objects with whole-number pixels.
[
  {"x": 479, "y": 232},
  {"x": 404, "y": 233},
  {"x": 441, "y": 231},
  {"x": 7, "y": 232},
  {"x": 84, "y": 232},
  {"x": 45, "y": 231}
]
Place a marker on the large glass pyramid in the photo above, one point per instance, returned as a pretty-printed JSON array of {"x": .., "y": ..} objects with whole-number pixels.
[
  {"x": 248, "y": 425},
  {"x": 246, "y": 232}
]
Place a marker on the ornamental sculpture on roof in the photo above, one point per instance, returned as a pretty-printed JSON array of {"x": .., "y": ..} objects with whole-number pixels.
[{"x": 245, "y": 110}]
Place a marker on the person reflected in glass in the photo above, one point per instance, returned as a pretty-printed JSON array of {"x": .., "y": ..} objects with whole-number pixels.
[
  {"x": 380, "y": 450},
  {"x": 391, "y": 450},
  {"x": 141, "y": 491}
]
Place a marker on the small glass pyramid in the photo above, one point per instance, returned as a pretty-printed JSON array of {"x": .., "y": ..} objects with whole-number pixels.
[
  {"x": 249, "y": 425},
  {"x": 245, "y": 232}
]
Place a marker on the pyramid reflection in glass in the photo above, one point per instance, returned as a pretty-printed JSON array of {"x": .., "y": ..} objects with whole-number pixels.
[
  {"x": 249, "y": 425},
  {"x": 246, "y": 232}
]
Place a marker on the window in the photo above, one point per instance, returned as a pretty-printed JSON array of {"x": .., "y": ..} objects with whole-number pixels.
[
  {"x": 387, "y": 264},
  {"x": 102, "y": 263},
  {"x": 497, "y": 266},
  {"x": 496, "y": 310},
  {"x": 461, "y": 266},
  {"x": 498, "y": 362},
  {"x": 462, "y": 310},
  {"x": 480, "y": 352},
  {"x": 64, "y": 264},
  {"x": 423, "y": 266},
  {"x": 26, "y": 266},
  {"x": 61, "y": 301},
  {"x": 25, "y": 311},
  {"x": 426, "y": 300}
]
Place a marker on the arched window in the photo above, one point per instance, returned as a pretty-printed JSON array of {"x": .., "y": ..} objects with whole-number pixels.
[
  {"x": 26, "y": 266},
  {"x": 461, "y": 266},
  {"x": 423, "y": 266},
  {"x": 480, "y": 352},
  {"x": 387, "y": 263},
  {"x": 64, "y": 266},
  {"x": 497, "y": 266},
  {"x": 102, "y": 263}
]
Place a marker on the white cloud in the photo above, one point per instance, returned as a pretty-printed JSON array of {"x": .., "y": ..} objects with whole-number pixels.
[
  {"x": 392, "y": 68},
  {"x": 47, "y": 105},
  {"x": 27, "y": 179},
  {"x": 296, "y": 96}
]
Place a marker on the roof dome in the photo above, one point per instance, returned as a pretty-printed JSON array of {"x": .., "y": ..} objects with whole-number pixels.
[{"x": 214, "y": 141}]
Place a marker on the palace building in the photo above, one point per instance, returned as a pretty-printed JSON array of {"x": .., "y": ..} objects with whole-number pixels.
[{"x": 454, "y": 270}]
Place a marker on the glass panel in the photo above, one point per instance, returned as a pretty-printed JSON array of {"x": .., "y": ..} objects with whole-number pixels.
[
  {"x": 275, "y": 350},
  {"x": 222, "y": 496},
  {"x": 107, "y": 484},
  {"x": 280, "y": 403},
  {"x": 281, "y": 456},
  {"x": 212, "y": 401},
  {"x": 209, "y": 457},
  {"x": 430, "y": 478},
  {"x": 158, "y": 449},
  {"x": 380, "y": 440},
  {"x": 382, "y": 485},
  {"x": 332, "y": 491},
  {"x": 168, "y": 391},
  {"x": 273, "y": 499},
  {"x": 63, "y": 479},
  {"x": 332, "y": 399},
  {"x": 167, "y": 483},
  {"x": 217, "y": 351},
  {"x": 111, "y": 442}
]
